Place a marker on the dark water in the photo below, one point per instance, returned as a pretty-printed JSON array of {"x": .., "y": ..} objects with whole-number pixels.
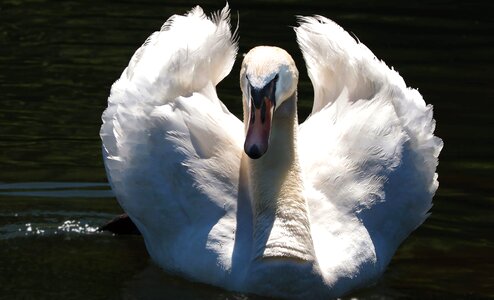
[{"x": 59, "y": 58}]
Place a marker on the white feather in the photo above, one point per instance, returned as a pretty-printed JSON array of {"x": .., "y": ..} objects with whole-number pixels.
[
  {"x": 368, "y": 151},
  {"x": 174, "y": 157},
  {"x": 172, "y": 149}
]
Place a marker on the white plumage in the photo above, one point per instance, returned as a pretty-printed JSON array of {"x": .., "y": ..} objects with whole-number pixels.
[{"x": 321, "y": 212}]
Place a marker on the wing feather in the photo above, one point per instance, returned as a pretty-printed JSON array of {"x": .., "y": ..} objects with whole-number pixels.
[
  {"x": 165, "y": 129},
  {"x": 369, "y": 147}
]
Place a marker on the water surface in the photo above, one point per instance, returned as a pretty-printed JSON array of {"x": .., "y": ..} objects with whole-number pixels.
[{"x": 59, "y": 59}]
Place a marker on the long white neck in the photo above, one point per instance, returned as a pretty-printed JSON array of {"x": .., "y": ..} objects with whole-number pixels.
[{"x": 281, "y": 226}]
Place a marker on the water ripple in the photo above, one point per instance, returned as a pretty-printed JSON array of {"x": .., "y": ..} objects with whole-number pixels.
[
  {"x": 32, "y": 229},
  {"x": 57, "y": 189}
]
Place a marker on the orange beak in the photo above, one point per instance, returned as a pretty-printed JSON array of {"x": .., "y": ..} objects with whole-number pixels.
[
  {"x": 259, "y": 130},
  {"x": 261, "y": 111}
]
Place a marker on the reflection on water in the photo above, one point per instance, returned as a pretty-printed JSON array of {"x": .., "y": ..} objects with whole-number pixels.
[{"x": 59, "y": 59}]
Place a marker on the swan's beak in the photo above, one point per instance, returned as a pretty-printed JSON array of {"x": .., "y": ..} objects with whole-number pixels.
[{"x": 261, "y": 110}]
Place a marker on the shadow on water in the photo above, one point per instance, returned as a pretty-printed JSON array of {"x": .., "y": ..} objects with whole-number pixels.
[{"x": 59, "y": 59}]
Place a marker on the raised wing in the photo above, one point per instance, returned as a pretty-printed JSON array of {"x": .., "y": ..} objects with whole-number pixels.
[
  {"x": 171, "y": 148},
  {"x": 368, "y": 148}
]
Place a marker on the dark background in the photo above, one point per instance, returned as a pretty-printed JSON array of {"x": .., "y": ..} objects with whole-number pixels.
[{"x": 58, "y": 60}]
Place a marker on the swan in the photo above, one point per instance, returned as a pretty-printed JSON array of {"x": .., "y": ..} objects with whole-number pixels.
[{"x": 268, "y": 206}]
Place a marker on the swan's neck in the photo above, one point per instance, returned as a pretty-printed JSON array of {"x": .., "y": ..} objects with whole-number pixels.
[{"x": 281, "y": 221}]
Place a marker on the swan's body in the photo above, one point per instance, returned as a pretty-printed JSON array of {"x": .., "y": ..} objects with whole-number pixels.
[{"x": 323, "y": 207}]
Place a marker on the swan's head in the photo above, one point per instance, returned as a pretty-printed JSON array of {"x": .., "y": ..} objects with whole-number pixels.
[{"x": 268, "y": 78}]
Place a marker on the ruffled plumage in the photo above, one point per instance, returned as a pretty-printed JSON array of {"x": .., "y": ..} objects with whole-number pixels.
[
  {"x": 173, "y": 155},
  {"x": 375, "y": 160}
]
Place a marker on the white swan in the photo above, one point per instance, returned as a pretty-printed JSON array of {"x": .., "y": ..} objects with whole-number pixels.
[{"x": 324, "y": 205}]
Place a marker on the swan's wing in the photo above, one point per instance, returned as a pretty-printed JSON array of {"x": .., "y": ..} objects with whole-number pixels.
[
  {"x": 170, "y": 146},
  {"x": 367, "y": 151},
  {"x": 338, "y": 66}
]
